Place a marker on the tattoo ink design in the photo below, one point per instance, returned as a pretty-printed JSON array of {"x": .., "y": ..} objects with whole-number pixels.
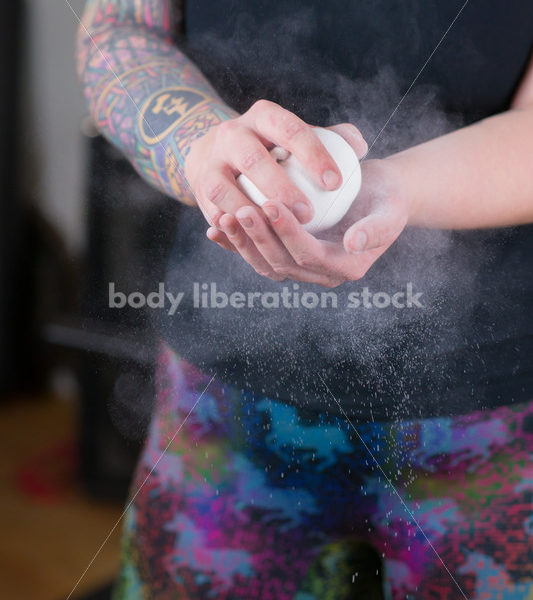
[
  {"x": 143, "y": 94},
  {"x": 165, "y": 110}
]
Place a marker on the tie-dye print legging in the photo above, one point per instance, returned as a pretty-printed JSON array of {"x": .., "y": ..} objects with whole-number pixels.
[{"x": 248, "y": 498}]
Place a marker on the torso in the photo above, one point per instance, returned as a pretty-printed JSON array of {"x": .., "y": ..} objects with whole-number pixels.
[{"x": 354, "y": 62}]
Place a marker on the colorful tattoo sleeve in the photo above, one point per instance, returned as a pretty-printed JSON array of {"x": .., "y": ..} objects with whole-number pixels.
[{"x": 143, "y": 94}]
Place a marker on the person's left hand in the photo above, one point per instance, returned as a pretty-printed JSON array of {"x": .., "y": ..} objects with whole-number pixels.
[{"x": 343, "y": 253}]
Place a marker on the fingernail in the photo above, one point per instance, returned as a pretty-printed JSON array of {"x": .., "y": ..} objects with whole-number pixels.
[
  {"x": 331, "y": 180},
  {"x": 246, "y": 222},
  {"x": 271, "y": 212},
  {"x": 302, "y": 212},
  {"x": 359, "y": 241}
]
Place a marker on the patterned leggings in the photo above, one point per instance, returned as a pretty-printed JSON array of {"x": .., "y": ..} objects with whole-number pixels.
[{"x": 255, "y": 499}]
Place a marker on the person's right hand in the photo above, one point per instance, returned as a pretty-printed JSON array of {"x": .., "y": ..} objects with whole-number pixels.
[{"x": 241, "y": 145}]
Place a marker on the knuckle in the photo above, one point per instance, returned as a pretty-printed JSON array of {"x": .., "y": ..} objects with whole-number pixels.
[
  {"x": 286, "y": 194},
  {"x": 282, "y": 270},
  {"x": 239, "y": 242},
  {"x": 306, "y": 260},
  {"x": 251, "y": 157},
  {"x": 260, "y": 105},
  {"x": 215, "y": 191},
  {"x": 259, "y": 237},
  {"x": 293, "y": 126}
]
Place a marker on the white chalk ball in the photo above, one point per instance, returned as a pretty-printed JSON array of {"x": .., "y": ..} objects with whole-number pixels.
[{"x": 329, "y": 207}]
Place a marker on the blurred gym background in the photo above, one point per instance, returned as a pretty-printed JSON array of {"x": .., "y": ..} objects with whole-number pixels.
[{"x": 76, "y": 377}]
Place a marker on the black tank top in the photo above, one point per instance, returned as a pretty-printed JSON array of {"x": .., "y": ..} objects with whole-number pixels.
[{"x": 466, "y": 341}]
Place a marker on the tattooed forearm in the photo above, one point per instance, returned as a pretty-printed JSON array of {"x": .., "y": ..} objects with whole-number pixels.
[{"x": 143, "y": 94}]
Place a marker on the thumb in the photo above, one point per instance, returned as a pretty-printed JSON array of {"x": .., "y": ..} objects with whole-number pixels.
[
  {"x": 378, "y": 229},
  {"x": 353, "y": 136}
]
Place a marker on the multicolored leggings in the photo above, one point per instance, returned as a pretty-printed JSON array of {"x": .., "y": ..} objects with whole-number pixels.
[{"x": 249, "y": 498}]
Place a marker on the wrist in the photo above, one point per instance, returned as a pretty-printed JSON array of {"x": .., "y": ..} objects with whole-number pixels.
[
  {"x": 400, "y": 173},
  {"x": 207, "y": 117},
  {"x": 179, "y": 142}
]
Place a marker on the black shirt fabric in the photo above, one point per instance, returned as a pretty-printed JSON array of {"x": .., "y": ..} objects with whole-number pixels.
[{"x": 469, "y": 346}]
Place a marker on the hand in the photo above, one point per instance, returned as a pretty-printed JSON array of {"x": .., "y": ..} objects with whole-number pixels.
[
  {"x": 241, "y": 145},
  {"x": 283, "y": 249}
]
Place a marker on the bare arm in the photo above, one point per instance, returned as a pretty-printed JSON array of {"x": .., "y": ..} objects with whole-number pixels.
[
  {"x": 152, "y": 102},
  {"x": 478, "y": 176},
  {"x": 143, "y": 94}
]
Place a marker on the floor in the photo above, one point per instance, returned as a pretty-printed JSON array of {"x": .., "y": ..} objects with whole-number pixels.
[{"x": 48, "y": 535}]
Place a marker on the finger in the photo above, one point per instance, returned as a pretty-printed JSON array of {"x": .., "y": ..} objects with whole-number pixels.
[
  {"x": 246, "y": 248},
  {"x": 215, "y": 235},
  {"x": 285, "y": 129},
  {"x": 218, "y": 194},
  {"x": 353, "y": 136},
  {"x": 266, "y": 242},
  {"x": 251, "y": 158},
  {"x": 378, "y": 229},
  {"x": 316, "y": 255},
  {"x": 277, "y": 255},
  {"x": 304, "y": 248}
]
